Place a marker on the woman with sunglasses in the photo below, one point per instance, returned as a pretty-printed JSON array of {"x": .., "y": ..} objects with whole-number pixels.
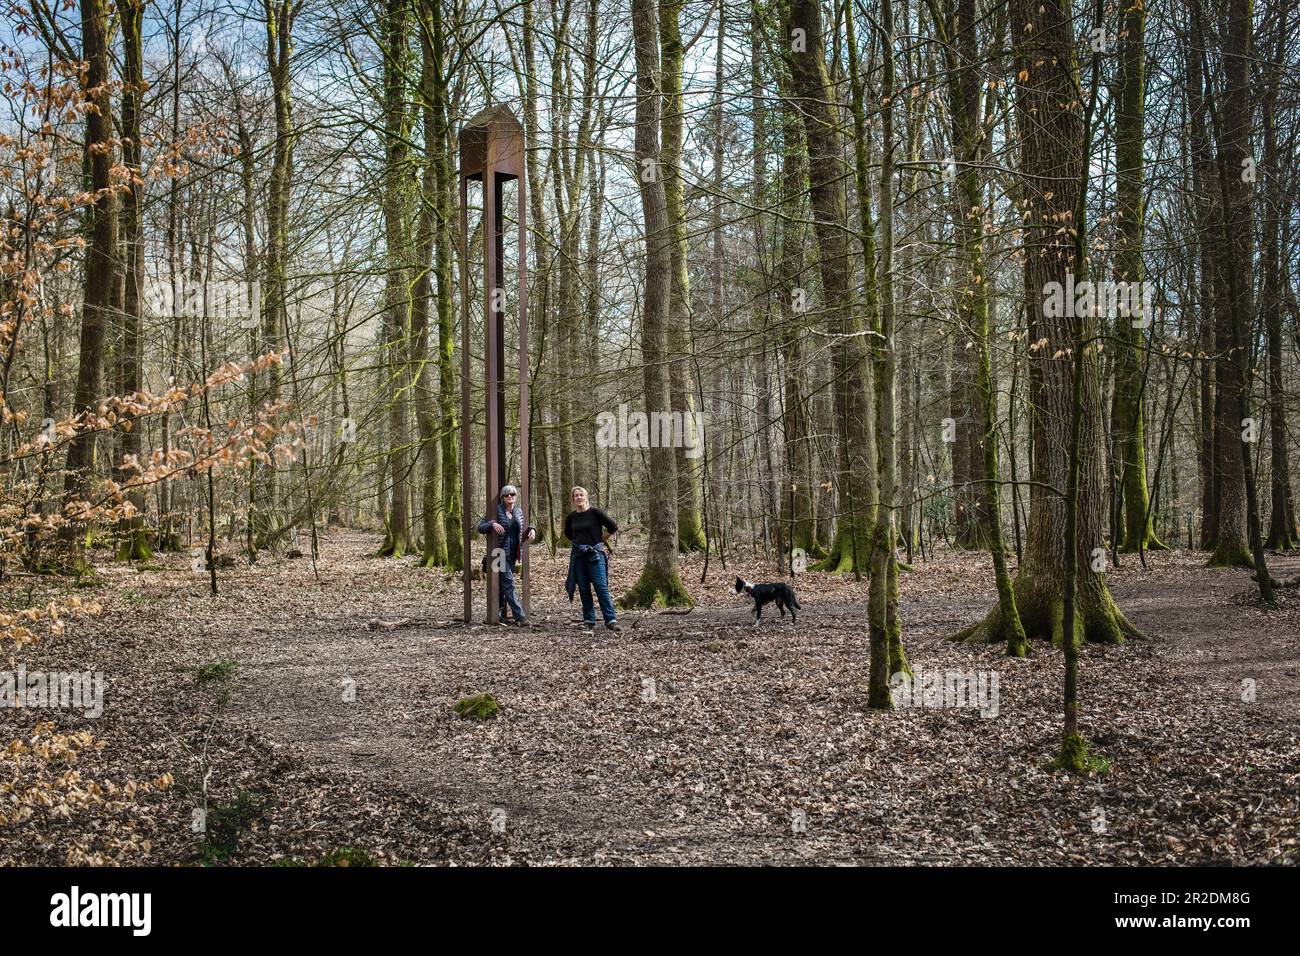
[{"x": 511, "y": 532}]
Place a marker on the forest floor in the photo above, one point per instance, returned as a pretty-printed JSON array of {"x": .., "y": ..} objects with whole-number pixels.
[{"x": 327, "y": 722}]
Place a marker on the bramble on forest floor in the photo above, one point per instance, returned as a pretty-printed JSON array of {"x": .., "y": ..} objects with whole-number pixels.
[
  {"x": 347, "y": 856},
  {"x": 215, "y": 671}
]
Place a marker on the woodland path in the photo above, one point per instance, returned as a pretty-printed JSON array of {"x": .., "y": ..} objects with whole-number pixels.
[{"x": 749, "y": 727}]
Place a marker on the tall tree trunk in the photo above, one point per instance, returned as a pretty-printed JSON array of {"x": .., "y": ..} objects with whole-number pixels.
[
  {"x": 769, "y": 485},
  {"x": 1206, "y": 206},
  {"x": 1129, "y": 427},
  {"x": 983, "y": 510},
  {"x": 659, "y": 581},
  {"x": 397, "y": 288},
  {"x": 1234, "y": 307},
  {"x": 135, "y": 543},
  {"x": 97, "y": 290},
  {"x": 1282, "y": 534},
  {"x": 887, "y": 657},
  {"x": 969, "y": 148},
  {"x": 855, "y": 480},
  {"x": 279, "y": 15},
  {"x": 539, "y": 293},
  {"x": 797, "y": 487},
  {"x": 1052, "y": 151},
  {"x": 433, "y": 528},
  {"x": 690, "y": 532}
]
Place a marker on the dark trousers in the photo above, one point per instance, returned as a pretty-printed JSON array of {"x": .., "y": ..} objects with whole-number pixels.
[{"x": 590, "y": 574}]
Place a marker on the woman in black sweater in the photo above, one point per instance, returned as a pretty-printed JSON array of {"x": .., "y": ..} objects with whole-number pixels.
[{"x": 589, "y": 558}]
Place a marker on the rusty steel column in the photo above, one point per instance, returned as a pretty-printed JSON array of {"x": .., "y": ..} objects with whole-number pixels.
[
  {"x": 492, "y": 151},
  {"x": 525, "y": 444}
]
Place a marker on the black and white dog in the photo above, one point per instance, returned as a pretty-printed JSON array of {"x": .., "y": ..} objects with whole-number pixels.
[{"x": 762, "y": 594}]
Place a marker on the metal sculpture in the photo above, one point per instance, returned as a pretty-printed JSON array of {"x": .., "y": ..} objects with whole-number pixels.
[{"x": 492, "y": 152}]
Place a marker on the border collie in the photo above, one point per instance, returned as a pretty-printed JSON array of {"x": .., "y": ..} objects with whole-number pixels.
[{"x": 762, "y": 594}]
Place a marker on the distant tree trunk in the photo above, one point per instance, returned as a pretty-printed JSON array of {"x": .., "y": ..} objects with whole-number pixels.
[
  {"x": 1203, "y": 179},
  {"x": 1282, "y": 521},
  {"x": 168, "y": 537},
  {"x": 659, "y": 581},
  {"x": 1052, "y": 149},
  {"x": 97, "y": 290},
  {"x": 856, "y": 478},
  {"x": 539, "y": 294},
  {"x": 770, "y": 487},
  {"x": 595, "y": 302},
  {"x": 1128, "y": 427},
  {"x": 969, "y": 148}
]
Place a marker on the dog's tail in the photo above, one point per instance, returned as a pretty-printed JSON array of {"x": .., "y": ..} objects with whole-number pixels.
[{"x": 794, "y": 601}]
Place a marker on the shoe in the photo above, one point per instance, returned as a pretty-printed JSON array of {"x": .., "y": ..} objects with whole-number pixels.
[
  {"x": 521, "y": 622},
  {"x": 588, "y": 626},
  {"x": 613, "y": 626}
]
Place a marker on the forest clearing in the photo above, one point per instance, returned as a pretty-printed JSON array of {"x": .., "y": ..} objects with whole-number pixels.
[{"x": 746, "y": 726}]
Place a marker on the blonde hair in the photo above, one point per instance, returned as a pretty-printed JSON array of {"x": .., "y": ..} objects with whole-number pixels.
[{"x": 575, "y": 489}]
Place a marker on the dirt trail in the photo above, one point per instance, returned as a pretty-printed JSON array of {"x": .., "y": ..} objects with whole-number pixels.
[{"x": 693, "y": 738}]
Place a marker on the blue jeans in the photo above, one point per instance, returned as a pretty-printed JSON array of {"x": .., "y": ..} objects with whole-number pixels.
[
  {"x": 506, "y": 586},
  {"x": 595, "y": 573}
]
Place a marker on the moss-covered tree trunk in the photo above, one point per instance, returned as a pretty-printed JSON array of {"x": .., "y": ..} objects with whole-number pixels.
[
  {"x": 855, "y": 481},
  {"x": 1129, "y": 426},
  {"x": 1052, "y": 147},
  {"x": 659, "y": 582},
  {"x": 433, "y": 536},
  {"x": 961, "y": 48},
  {"x": 690, "y": 529},
  {"x": 448, "y": 409}
]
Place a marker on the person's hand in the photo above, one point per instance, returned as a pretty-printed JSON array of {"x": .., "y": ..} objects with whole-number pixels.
[
  {"x": 497, "y": 528},
  {"x": 532, "y": 533}
]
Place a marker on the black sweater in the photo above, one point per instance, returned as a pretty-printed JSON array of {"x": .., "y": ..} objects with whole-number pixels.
[{"x": 583, "y": 527}]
